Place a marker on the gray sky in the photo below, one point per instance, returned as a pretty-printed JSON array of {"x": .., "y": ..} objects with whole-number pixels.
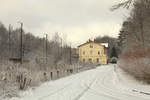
[{"x": 75, "y": 20}]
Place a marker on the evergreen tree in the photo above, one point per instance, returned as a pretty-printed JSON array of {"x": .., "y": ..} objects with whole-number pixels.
[{"x": 114, "y": 53}]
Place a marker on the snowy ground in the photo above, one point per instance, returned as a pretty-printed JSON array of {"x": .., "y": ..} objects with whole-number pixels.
[{"x": 102, "y": 83}]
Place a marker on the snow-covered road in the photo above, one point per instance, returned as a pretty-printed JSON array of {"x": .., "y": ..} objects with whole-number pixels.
[{"x": 95, "y": 84}]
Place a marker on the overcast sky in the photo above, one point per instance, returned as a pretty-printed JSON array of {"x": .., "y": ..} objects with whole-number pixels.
[{"x": 75, "y": 20}]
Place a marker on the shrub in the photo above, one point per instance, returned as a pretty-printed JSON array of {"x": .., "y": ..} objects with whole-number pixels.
[{"x": 136, "y": 61}]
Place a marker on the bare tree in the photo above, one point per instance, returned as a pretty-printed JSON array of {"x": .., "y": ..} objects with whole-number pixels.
[{"x": 135, "y": 35}]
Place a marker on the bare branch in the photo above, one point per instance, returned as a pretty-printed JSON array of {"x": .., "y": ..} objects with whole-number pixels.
[{"x": 125, "y": 4}]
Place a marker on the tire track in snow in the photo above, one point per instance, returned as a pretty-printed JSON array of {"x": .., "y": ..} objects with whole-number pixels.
[
  {"x": 100, "y": 94},
  {"x": 104, "y": 95},
  {"x": 110, "y": 90},
  {"x": 89, "y": 89},
  {"x": 59, "y": 90},
  {"x": 85, "y": 90}
]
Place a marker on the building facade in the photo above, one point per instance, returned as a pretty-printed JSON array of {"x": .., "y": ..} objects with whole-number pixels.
[{"x": 92, "y": 52}]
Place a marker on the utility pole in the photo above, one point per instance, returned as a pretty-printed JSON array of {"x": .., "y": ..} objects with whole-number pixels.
[
  {"x": 9, "y": 39},
  {"x": 43, "y": 50},
  {"x": 61, "y": 47},
  {"x": 70, "y": 55},
  {"x": 46, "y": 48},
  {"x": 21, "y": 31}
]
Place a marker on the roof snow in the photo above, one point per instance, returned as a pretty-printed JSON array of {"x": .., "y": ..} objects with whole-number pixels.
[{"x": 104, "y": 44}]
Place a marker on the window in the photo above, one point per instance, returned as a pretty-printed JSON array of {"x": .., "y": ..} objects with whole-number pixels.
[
  {"x": 91, "y": 46},
  {"x": 83, "y": 52},
  {"x": 90, "y": 60},
  {"x": 98, "y": 52},
  {"x": 97, "y": 60},
  {"x": 83, "y": 60}
]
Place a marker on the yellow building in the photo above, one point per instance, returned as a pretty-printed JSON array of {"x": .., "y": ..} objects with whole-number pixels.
[{"x": 92, "y": 52}]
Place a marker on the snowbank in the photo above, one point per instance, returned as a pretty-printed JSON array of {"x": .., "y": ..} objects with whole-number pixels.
[{"x": 128, "y": 83}]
